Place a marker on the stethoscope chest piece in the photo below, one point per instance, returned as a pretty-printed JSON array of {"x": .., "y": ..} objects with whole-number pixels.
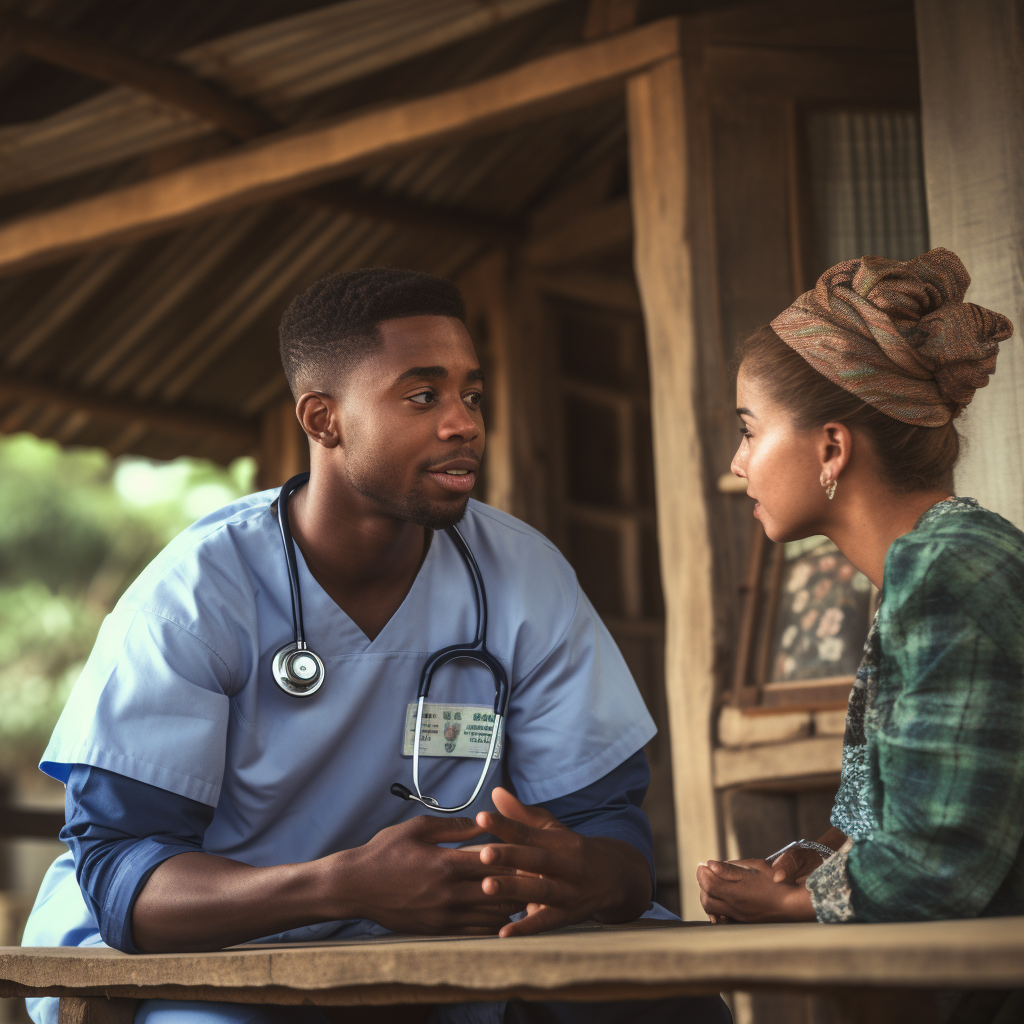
[{"x": 298, "y": 670}]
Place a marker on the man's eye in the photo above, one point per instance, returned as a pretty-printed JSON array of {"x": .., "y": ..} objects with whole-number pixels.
[
  {"x": 423, "y": 398},
  {"x": 473, "y": 399}
]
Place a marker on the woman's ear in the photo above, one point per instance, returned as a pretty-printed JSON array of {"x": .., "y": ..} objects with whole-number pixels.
[
  {"x": 318, "y": 417},
  {"x": 836, "y": 448}
]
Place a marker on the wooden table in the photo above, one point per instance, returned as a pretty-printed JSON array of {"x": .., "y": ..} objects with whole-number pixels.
[{"x": 639, "y": 961}]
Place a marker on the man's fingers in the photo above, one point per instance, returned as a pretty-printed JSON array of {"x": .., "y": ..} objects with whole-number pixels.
[
  {"x": 530, "y": 859},
  {"x": 466, "y": 864},
  {"x": 525, "y": 889},
  {"x": 542, "y": 921},
  {"x": 432, "y": 828},
  {"x": 509, "y": 830},
  {"x": 512, "y": 807}
]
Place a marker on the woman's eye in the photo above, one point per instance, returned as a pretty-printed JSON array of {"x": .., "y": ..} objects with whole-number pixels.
[
  {"x": 423, "y": 398},
  {"x": 745, "y": 432}
]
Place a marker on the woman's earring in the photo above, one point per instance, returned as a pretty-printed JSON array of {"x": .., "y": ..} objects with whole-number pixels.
[{"x": 829, "y": 485}]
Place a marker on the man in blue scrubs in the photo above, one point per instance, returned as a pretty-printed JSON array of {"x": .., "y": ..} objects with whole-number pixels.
[{"x": 206, "y": 807}]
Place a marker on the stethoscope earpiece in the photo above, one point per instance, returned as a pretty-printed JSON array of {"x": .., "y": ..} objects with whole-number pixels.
[{"x": 298, "y": 670}]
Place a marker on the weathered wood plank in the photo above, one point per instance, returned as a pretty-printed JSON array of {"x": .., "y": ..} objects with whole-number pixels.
[
  {"x": 987, "y": 952},
  {"x": 292, "y": 161},
  {"x": 96, "y": 1010},
  {"x": 815, "y": 755},
  {"x": 659, "y": 176}
]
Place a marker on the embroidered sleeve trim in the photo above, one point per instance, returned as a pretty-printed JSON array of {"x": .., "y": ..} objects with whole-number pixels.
[{"x": 829, "y": 886}]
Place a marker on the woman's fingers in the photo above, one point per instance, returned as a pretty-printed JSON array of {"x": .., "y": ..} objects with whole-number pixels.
[
  {"x": 784, "y": 868},
  {"x": 718, "y": 908}
]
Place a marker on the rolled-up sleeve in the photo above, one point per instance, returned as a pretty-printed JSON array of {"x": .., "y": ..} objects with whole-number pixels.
[
  {"x": 612, "y": 807},
  {"x": 119, "y": 831}
]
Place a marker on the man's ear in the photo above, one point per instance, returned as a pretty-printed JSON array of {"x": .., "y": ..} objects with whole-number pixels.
[
  {"x": 836, "y": 448},
  {"x": 318, "y": 416}
]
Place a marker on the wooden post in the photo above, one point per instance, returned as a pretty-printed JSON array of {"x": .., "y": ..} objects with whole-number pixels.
[
  {"x": 972, "y": 95},
  {"x": 484, "y": 287},
  {"x": 659, "y": 176},
  {"x": 96, "y": 1010},
  {"x": 284, "y": 450}
]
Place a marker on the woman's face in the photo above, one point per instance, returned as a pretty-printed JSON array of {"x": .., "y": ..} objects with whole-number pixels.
[{"x": 781, "y": 463}]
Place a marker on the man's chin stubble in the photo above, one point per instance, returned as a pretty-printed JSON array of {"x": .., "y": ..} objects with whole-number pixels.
[{"x": 414, "y": 508}]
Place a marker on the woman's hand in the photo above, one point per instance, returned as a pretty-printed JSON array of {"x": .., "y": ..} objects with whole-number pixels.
[
  {"x": 747, "y": 891},
  {"x": 795, "y": 865},
  {"x": 562, "y": 876}
]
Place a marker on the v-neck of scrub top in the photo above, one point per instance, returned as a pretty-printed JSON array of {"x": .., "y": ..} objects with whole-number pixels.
[{"x": 344, "y": 628}]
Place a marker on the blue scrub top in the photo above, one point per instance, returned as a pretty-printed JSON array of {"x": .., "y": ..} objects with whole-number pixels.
[{"x": 178, "y": 691}]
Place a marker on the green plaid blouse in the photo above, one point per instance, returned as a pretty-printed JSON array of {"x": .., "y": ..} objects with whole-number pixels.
[{"x": 932, "y": 791}]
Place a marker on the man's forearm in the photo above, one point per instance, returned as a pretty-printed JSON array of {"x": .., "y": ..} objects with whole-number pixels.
[
  {"x": 631, "y": 894},
  {"x": 196, "y": 901}
]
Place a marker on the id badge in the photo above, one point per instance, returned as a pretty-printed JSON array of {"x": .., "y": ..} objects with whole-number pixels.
[{"x": 452, "y": 730}]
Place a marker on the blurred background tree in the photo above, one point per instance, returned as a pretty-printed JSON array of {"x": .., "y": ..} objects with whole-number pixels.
[{"x": 76, "y": 527}]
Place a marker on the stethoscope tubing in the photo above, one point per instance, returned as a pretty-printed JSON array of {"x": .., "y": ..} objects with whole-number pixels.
[{"x": 475, "y": 651}]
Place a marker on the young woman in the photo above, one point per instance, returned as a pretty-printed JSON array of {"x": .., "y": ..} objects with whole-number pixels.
[{"x": 848, "y": 403}]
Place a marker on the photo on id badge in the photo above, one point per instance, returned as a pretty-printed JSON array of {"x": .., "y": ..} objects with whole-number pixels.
[{"x": 451, "y": 730}]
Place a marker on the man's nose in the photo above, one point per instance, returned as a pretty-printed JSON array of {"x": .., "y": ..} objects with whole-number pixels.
[{"x": 457, "y": 422}]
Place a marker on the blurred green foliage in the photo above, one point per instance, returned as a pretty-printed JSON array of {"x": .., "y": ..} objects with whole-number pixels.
[{"x": 76, "y": 527}]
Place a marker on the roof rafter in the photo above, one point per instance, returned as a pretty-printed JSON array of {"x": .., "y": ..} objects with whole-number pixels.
[
  {"x": 179, "y": 420},
  {"x": 78, "y": 52},
  {"x": 294, "y": 161}
]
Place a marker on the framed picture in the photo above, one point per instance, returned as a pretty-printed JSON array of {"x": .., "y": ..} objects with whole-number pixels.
[{"x": 807, "y": 611}]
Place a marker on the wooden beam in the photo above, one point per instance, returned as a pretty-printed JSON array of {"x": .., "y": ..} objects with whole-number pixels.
[
  {"x": 588, "y": 234},
  {"x": 169, "y": 84},
  {"x": 293, "y": 161},
  {"x": 169, "y": 419},
  {"x": 485, "y": 287},
  {"x": 815, "y": 755},
  {"x": 660, "y": 176},
  {"x": 399, "y": 209}
]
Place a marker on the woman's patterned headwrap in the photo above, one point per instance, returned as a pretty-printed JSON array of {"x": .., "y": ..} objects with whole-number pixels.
[{"x": 898, "y": 335}]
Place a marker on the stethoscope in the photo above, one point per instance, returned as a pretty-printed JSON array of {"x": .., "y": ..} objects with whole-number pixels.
[{"x": 299, "y": 671}]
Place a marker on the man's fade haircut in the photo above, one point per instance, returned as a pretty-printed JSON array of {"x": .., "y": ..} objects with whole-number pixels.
[{"x": 334, "y": 323}]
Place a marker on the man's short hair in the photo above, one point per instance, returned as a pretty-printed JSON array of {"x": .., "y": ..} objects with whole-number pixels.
[{"x": 334, "y": 323}]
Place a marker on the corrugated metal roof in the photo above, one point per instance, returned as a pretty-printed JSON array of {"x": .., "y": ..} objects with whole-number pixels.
[
  {"x": 189, "y": 319},
  {"x": 275, "y": 65}
]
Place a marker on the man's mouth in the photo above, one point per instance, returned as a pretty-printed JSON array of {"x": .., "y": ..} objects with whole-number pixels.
[{"x": 459, "y": 475}]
